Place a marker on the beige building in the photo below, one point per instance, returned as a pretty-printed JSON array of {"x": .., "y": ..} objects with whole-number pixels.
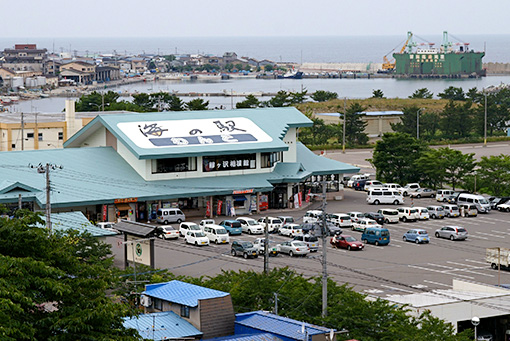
[{"x": 33, "y": 131}]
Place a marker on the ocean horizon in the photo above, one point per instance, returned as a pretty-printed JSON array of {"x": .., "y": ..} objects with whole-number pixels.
[{"x": 319, "y": 49}]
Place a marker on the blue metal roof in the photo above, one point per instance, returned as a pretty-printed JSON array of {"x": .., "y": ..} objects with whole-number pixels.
[
  {"x": 182, "y": 293},
  {"x": 278, "y": 325},
  {"x": 76, "y": 221},
  {"x": 321, "y": 165},
  {"x": 161, "y": 326},
  {"x": 368, "y": 113},
  {"x": 256, "y": 130},
  {"x": 247, "y": 337}
]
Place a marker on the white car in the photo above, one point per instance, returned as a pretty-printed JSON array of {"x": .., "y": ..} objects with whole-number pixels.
[
  {"x": 187, "y": 226},
  {"x": 363, "y": 223},
  {"x": 341, "y": 219},
  {"x": 216, "y": 234},
  {"x": 206, "y": 222},
  {"x": 423, "y": 213},
  {"x": 107, "y": 226},
  {"x": 250, "y": 225},
  {"x": 373, "y": 184},
  {"x": 312, "y": 216},
  {"x": 197, "y": 238},
  {"x": 409, "y": 188},
  {"x": 356, "y": 216},
  {"x": 259, "y": 244},
  {"x": 167, "y": 232},
  {"x": 390, "y": 215},
  {"x": 273, "y": 226},
  {"x": 408, "y": 214},
  {"x": 291, "y": 230},
  {"x": 504, "y": 206}
]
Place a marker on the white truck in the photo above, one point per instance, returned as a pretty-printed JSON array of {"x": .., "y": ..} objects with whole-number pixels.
[{"x": 495, "y": 255}]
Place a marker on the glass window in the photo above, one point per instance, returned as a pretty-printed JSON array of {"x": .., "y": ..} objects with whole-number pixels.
[
  {"x": 184, "y": 311},
  {"x": 60, "y": 135},
  {"x": 183, "y": 164},
  {"x": 30, "y": 135},
  {"x": 268, "y": 160},
  {"x": 158, "y": 304},
  {"x": 40, "y": 136}
]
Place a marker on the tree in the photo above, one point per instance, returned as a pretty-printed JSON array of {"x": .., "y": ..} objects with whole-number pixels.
[
  {"x": 229, "y": 67},
  {"x": 197, "y": 104},
  {"x": 281, "y": 99},
  {"x": 377, "y": 94},
  {"x": 53, "y": 287},
  {"x": 395, "y": 157},
  {"x": 498, "y": 113},
  {"x": 96, "y": 101},
  {"x": 249, "y": 102},
  {"x": 239, "y": 66},
  {"x": 429, "y": 124},
  {"x": 318, "y": 134},
  {"x": 355, "y": 125},
  {"x": 494, "y": 174},
  {"x": 268, "y": 68},
  {"x": 298, "y": 97},
  {"x": 452, "y": 93},
  {"x": 408, "y": 121},
  {"x": 456, "y": 120},
  {"x": 422, "y": 93},
  {"x": 323, "y": 96},
  {"x": 455, "y": 164},
  {"x": 431, "y": 167}
]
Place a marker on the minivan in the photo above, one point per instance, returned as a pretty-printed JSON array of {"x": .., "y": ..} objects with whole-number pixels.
[
  {"x": 340, "y": 219},
  {"x": 482, "y": 204},
  {"x": 390, "y": 215},
  {"x": 376, "y": 235},
  {"x": 468, "y": 210},
  {"x": 408, "y": 214},
  {"x": 436, "y": 212},
  {"x": 384, "y": 196},
  {"x": 451, "y": 211},
  {"x": 169, "y": 215},
  {"x": 312, "y": 216},
  {"x": 443, "y": 194},
  {"x": 216, "y": 234},
  {"x": 356, "y": 178}
]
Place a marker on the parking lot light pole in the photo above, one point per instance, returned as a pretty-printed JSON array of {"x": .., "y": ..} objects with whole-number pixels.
[
  {"x": 418, "y": 123},
  {"x": 324, "y": 252},
  {"x": 485, "y": 122}
]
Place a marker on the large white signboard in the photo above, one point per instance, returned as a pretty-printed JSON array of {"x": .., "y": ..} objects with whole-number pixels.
[
  {"x": 138, "y": 251},
  {"x": 182, "y": 133}
]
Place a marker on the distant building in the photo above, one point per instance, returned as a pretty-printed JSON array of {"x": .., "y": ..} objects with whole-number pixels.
[
  {"x": 80, "y": 72},
  {"x": 25, "y": 57}
]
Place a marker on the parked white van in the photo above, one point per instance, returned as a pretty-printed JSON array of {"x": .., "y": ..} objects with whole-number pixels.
[
  {"x": 482, "y": 204},
  {"x": 312, "y": 216},
  {"x": 390, "y": 215},
  {"x": 384, "y": 196},
  {"x": 407, "y": 214},
  {"x": 170, "y": 215},
  {"x": 394, "y": 186},
  {"x": 340, "y": 219},
  {"x": 357, "y": 177},
  {"x": 443, "y": 194},
  {"x": 423, "y": 213},
  {"x": 373, "y": 184},
  {"x": 216, "y": 234}
]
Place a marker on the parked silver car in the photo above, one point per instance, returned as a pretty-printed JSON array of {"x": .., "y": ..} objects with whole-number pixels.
[
  {"x": 294, "y": 247},
  {"x": 452, "y": 233}
]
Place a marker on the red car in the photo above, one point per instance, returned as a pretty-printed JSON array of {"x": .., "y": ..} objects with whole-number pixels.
[{"x": 346, "y": 242}]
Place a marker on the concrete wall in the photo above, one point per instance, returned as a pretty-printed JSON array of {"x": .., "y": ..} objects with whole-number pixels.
[{"x": 290, "y": 141}]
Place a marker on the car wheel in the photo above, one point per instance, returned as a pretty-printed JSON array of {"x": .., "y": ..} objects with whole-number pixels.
[
  {"x": 245, "y": 255},
  {"x": 437, "y": 234},
  {"x": 442, "y": 217},
  {"x": 291, "y": 235},
  {"x": 404, "y": 238},
  {"x": 444, "y": 200},
  {"x": 165, "y": 222},
  {"x": 179, "y": 221},
  {"x": 353, "y": 228},
  {"x": 349, "y": 248},
  {"x": 452, "y": 238},
  {"x": 217, "y": 241},
  {"x": 364, "y": 241},
  {"x": 433, "y": 216},
  {"x": 234, "y": 253},
  {"x": 376, "y": 202},
  {"x": 386, "y": 221},
  {"x": 417, "y": 241},
  {"x": 418, "y": 196},
  {"x": 404, "y": 219},
  {"x": 376, "y": 243},
  {"x": 405, "y": 194},
  {"x": 494, "y": 266},
  {"x": 196, "y": 243},
  {"x": 508, "y": 209},
  {"x": 249, "y": 232},
  {"x": 395, "y": 202},
  {"x": 291, "y": 253}
]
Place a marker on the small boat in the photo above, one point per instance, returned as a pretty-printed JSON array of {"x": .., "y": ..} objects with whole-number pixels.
[{"x": 292, "y": 75}]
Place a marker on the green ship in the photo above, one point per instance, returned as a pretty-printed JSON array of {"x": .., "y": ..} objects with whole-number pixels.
[{"x": 451, "y": 60}]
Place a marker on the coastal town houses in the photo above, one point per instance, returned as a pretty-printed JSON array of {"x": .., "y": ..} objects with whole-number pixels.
[
  {"x": 204, "y": 162},
  {"x": 78, "y": 71},
  {"x": 25, "y": 57}
]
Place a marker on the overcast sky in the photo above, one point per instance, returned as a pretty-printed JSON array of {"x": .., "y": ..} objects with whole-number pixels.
[{"x": 170, "y": 18}]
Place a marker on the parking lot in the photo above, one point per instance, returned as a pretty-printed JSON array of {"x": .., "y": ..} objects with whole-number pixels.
[{"x": 398, "y": 268}]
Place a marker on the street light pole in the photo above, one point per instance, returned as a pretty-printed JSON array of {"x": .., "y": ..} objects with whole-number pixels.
[
  {"x": 418, "y": 123},
  {"x": 485, "y": 122}
]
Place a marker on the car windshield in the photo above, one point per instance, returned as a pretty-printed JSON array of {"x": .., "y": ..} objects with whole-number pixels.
[
  {"x": 312, "y": 239},
  {"x": 439, "y": 209},
  {"x": 461, "y": 230},
  {"x": 413, "y": 211},
  {"x": 371, "y": 222},
  {"x": 236, "y": 224},
  {"x": 422, "y": 232},
  {"x": 391, "y": 212},
  {"x": 298, "y": 244},
  {"x": 483, "y": 201},
  {"x": 424, "y": 210},
  {"x": 246, "y": 244},
  {"x": 194, "y": 227},
  {"x": 200, "y": 234},
  {"x": 277, "y": 221},
  {"x": 221, "y": 231},
  {"x": 455, "y": 208},
  {"x": 385, "y": 233},
  {"x": 350, "y": 239},
  {"x": 289, "y": 220},
  {"x": 251, "y": 222}
]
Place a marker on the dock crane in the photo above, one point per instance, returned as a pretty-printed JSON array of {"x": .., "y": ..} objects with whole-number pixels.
[{"x": 388, "y": 66}]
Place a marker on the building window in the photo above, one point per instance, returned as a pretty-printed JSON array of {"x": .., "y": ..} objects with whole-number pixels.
[
  {"x": 184, "y": 311},
  {"x": 268, "y": 160},
  {"x": 13, "y": 146},
  {"x": 183, "y": 164},
  {"x": 30, "y": 135},
  {"x": 228, "y": 162},
  {"x": 60, "y": 135},
  {"x": 40, "y": 137},
  {"x": 158, "y": 304}
]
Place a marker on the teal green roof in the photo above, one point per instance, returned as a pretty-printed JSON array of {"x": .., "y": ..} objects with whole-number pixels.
[
  {"x": 321, "y": 165},
  {"x": 76, "y": 221},
  {"x": 256, "y": 130}
]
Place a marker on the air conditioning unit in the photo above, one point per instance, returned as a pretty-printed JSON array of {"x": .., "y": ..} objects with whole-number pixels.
[{"x": 145, "y": 301}]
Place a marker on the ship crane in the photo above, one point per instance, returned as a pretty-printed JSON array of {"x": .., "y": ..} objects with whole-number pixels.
[{"x": 388, "y": 66}]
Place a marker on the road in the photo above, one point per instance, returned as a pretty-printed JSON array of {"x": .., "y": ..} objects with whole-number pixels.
[{"x": 399, "y": 268}]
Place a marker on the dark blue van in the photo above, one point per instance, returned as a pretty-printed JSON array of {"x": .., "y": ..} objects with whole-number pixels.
[{"x": 376, "y": 235}]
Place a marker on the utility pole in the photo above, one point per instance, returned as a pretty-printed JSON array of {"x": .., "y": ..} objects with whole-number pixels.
[
  {"x": 485, "y": 122},
  {"x": 266, "y": 247},
  {"x": 19, "y": 202},
  {"x": 343, "y": 139},
  {"x": 45, "y": 169},
  {"x": 276, "y": 303},
  {"x": 324, "y": 252},
  {"x": 22, "y": 132}
]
